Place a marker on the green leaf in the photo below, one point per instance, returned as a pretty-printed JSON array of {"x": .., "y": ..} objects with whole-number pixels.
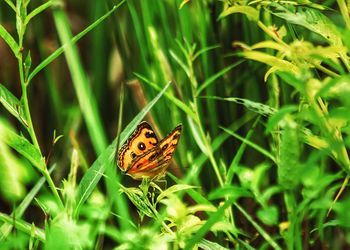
[
  {"x": 279, "y": 115},
  {"x": 13, "y": 7},
  {"x": 278, "y": 63},
  {"x": 173, "y": 189},
  {"x": 12, "y": 104},
  {"x": 313, "y": 20},
  {"x": 93, "y": 175},
  {"x": 136, "y": 197},
  {"x": 268, "y": 215},
  {"x": 22, "y": 146},
  {"x": 250, "y": 12},
  {"x": 9, "y": 40}
]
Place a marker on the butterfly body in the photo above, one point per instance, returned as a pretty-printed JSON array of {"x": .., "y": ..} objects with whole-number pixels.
[{"x": 143, "y": 155}]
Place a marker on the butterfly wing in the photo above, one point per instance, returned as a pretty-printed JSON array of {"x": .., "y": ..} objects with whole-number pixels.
[
  {"x": 142, "y": 140},
  {"x": 154, "y": 162}
]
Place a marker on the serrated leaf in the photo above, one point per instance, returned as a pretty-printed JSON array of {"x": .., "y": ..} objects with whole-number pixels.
[
  {"x": 22, "y": 146},
  {"x": 135, "y": 196},
  {"x": 12, "y": 104}
]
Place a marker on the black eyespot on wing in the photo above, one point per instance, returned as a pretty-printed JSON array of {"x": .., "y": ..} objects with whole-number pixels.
[
  {"x": 165, "y": 147},
  {"x": 153, "y": 156},
  {"x": 176, "y": 136},
  {"x": 150, "y": 134},
  {"x": 133, "y": 155},
  {"x": 141, "y": 146}
]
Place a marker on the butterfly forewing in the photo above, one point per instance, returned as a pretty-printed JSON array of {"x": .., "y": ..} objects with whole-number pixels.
[
  {"x": 154, "y": 162},
  {"x": 142, "y": 140}
]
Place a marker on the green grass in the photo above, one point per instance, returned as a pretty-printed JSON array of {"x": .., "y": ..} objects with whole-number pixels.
[{"x": 262, "y": 90}]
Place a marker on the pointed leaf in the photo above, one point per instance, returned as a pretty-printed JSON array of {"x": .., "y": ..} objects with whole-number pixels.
[
  {"x": 9, "y": 40},
  {"x": 22, "y": 146},
  {"x": 12, "y": 104}
]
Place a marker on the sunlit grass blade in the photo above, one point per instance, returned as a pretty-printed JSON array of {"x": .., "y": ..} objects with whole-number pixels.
[{"x": 87, "y": 101}]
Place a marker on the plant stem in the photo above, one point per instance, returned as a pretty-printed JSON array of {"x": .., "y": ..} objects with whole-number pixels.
[
  {"x": 30, "y": 128},
  {"x": 52, "y": 186}
]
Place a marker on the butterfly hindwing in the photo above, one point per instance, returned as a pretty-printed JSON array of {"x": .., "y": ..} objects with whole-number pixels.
[
  {"x": 154, "y": 162},
  {"x": 142, "y": 140}
]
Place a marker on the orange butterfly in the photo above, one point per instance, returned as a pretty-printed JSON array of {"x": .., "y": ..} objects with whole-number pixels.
[{"x": 144, "y": 156}]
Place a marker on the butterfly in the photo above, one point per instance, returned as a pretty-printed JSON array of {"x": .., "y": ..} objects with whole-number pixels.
[{"x": 143, "y": 155}]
